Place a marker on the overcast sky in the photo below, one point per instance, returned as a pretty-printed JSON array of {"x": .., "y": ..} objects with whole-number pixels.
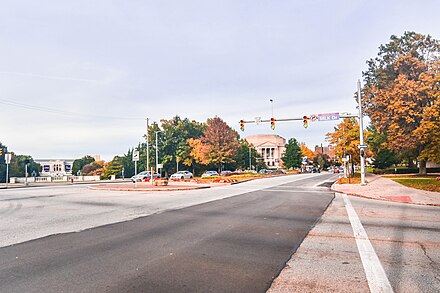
[{"x": 79, "y": 77}]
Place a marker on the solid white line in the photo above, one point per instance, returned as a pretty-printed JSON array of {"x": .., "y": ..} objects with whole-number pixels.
[{"x": 376, "y": 277}]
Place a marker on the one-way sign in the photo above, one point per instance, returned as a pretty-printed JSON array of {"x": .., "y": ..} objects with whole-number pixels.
[{"x": 135, "y": 156}]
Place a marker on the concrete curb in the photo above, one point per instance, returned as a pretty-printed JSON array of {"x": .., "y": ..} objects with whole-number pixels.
[{"x": 147, "y": 189}]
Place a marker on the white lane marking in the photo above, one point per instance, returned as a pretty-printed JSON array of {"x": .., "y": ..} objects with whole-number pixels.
[{"x": 376, "y": 277}]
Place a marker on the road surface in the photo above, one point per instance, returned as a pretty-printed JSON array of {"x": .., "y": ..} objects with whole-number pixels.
[{"x": 231, "y": 239}]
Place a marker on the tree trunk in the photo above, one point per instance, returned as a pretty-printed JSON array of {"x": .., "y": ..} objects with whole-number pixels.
[{"x": 422, "y": 168}]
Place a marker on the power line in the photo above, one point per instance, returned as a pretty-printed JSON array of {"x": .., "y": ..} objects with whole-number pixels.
[{"x": 60, "y": 112}]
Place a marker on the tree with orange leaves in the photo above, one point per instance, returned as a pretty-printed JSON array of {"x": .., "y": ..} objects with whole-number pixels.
[
  {"x": 401, "y": 96},
  {"x": 217, "y": 146},
  {"x": 307, "y": 152}
]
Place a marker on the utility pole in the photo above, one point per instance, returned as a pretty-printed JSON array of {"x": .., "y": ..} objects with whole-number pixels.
[
  {"x": 148, "y": 147},
  {"x": 361, "y": 135}
]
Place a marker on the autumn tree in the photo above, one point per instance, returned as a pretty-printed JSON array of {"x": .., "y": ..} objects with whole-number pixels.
[
  {"x": 401, "y": 96},
  {"x": 217, "y": 146},
  {"x": 307, "y": 152},
  {"x": 292, "y": 157},
  {"x": 346, "y": 140}
]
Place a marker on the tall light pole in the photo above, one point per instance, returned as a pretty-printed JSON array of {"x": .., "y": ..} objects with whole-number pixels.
[
  {"x": 271, "y": 102},
  {"x": 157, "y": 151},
  {"x": 148, "y": 147},
  {"x": 361, "y": 134}
]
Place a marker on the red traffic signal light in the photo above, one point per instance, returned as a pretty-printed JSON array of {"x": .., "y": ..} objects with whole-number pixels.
[
  {"x": 305, "y": 122},
  {"x": 242, "y": 125},
  {"x": 272, "y": 123}
]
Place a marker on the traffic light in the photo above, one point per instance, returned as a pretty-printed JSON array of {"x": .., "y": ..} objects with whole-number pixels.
[
  {"x": 1, "y": 151},
  {"x": 305, "y": 122},
  {"x": 242, "y": 125},
  {"x": 272, "y": 123}
]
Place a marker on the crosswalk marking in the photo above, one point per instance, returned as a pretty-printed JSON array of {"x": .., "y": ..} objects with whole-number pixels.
[{"x": 376, "y": 277}]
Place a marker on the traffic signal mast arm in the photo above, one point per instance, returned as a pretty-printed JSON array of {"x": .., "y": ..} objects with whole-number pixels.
[{"x": 341, "y": 115}]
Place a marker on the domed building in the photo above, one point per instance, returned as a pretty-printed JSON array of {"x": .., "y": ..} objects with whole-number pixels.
[{"x": 271, "y": 147}]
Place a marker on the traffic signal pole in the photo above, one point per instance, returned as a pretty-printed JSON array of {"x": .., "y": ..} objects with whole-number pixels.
[{"x": 361, "y": 135}]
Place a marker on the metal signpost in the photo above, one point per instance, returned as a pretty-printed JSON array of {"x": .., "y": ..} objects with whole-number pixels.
[
  {"x": 135, "y": 160},
  {"x": 7, "y": 160}
]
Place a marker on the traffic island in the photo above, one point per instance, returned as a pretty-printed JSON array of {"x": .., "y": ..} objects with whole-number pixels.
[{"x": 158, "y": 185}]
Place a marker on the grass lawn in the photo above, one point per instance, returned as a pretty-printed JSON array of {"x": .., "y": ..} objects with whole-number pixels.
[{"x": 419, "y": 182}]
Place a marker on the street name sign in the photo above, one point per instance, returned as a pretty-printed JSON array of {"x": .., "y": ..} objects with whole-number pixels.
[{"x": 328, "y": 116}]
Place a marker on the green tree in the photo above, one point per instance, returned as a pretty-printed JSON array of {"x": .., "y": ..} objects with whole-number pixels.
[
  {"x": 382, "y": 156},
  {"x": 292, "y": 157},
  {"x": 78, "y": 164},
  {"x": 172, "y": 142},
  {"x": 322, "y": 160},
  {"x": 114, "y": 167},
  {"x": 3, "y": 150},
  {"x": 401, "y": 96},
  {"x": 17, "y": 167},
  {"x": 241, "y": 160}
]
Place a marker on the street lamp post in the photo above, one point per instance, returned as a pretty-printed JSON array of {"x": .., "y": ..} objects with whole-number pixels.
[
  {"x": 157, "y": 151},
  {"x": 271, "y": 102}
]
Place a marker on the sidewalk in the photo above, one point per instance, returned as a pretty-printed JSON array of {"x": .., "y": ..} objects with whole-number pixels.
[{"x": 386, "y": 189}]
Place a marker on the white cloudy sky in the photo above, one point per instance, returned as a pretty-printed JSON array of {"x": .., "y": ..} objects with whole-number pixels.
[{"x": 98, "y": 63}]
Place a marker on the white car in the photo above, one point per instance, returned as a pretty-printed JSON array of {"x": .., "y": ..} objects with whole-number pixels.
[
  {"x": 209, "y": 174},
  {"x": 181, "y": 175},
  {"x": 144, "y": 175}
]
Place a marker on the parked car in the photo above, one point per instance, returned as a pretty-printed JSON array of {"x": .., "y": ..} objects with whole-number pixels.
[
  {"x": 209, "y": 174},
  {"x": 181, "y": 175},
  {"x": 144, "y": 175},
  {"x": 264, "y": 171},
  {"x": 225, "y": 173}
]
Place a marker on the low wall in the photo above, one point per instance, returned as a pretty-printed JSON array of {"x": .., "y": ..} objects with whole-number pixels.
[{"x": 53, "y": 179}]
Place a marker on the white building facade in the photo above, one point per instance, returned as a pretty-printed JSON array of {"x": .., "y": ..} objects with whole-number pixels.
[
  {"x": 55, "y": 167},
  {"x": 271, "y": 147}
]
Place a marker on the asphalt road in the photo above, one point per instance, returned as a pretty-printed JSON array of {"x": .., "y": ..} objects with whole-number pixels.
[{"x": 234, "y": 239}]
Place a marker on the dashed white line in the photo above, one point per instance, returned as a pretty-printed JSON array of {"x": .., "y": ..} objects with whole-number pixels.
[{"x": 376, "y": 277}]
